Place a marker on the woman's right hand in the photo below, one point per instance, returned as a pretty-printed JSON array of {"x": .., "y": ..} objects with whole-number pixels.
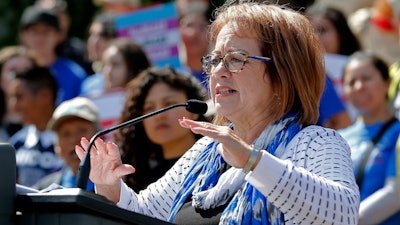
[{"x": 106, "y": 167}]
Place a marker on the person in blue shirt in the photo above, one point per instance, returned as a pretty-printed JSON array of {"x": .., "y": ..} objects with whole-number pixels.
[
  {"x": 73, "y": 119},
  {"x": 332, "y": 111},
  {"x": 39, "y": 30},
  {"x": 366, "y": 82}
]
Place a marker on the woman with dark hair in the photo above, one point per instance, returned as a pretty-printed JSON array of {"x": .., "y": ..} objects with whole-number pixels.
[
  {"x": 372, "y": 138},
  {"x": 336, "y": 37},
  {"x": 155, "y": 144},
  {"x": 333, "y": 30},
  {"x": 122, "y": 61}
]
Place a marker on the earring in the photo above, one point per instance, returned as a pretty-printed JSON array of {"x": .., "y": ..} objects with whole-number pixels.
[{"x": 278, "y": 99}]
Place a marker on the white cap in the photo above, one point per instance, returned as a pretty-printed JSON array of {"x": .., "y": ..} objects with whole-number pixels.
[{"x": 79, "y": 107}]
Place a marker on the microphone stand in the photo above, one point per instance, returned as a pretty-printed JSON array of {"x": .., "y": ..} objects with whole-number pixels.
[{"x": 84, "y": 166}]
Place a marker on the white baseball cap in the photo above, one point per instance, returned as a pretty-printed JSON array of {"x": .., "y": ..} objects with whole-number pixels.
[{"x": 80, "y": 107}]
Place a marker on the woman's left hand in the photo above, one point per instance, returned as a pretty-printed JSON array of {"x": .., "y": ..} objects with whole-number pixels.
[{"x": 232, "y": 148}]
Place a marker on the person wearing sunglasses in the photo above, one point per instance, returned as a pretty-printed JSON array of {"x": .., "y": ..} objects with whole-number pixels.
[{"x": 262, "y": 160}]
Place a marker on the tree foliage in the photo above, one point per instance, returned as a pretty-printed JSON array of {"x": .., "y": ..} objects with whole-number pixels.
[{"x": 80, "y": 11}]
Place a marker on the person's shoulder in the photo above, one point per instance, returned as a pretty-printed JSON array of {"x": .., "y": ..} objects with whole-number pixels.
[
  {"x": 315, "y": 133},
  {"x": 396, "y": 123},
  {"x": 94, "y": 79},
  {"x": 69, "y": 65},
  {"x": 315, "y": 129},
  {"x": 395, "y": 128},
  {"x": 314, "y": 141},
  {"x": 93, "y": 85}
]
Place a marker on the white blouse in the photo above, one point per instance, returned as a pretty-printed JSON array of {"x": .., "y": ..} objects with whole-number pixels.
[{"x": 311, "y": 182}]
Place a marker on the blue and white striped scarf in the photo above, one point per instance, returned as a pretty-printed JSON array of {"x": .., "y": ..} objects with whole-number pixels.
[{"x": 211, "y": 186}]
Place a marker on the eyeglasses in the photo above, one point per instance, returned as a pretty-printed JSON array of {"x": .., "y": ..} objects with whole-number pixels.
[{"x": 233, "y": 61}]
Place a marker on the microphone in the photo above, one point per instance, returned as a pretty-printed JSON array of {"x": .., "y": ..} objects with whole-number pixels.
[{"x": 192, "y": 105}]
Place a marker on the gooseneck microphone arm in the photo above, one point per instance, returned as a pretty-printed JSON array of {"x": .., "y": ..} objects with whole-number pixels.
[{"x": 193, "y": 106}]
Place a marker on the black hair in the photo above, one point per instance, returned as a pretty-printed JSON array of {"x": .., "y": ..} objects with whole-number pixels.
[
  {"x": 108, "y": 25},
  {"x": 377, "y": 62},
  {"x": 348, "y": 42},
  {"x": 134, "y": 56},
  {"x": 37, "y": 79}
]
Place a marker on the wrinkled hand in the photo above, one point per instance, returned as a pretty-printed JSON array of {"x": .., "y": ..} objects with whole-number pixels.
[
  {"x": 232, "y": 148},
  {"x": 106, "y": 167}
]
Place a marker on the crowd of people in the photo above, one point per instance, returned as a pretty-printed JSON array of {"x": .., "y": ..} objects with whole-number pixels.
[{"x": 286, "y": 142}]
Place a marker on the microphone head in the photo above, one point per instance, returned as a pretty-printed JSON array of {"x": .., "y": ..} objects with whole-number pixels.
[{"x": 196, "y": 106}]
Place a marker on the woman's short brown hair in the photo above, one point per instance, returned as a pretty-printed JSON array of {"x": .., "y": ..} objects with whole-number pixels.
[{"x": 297, "y": 69}]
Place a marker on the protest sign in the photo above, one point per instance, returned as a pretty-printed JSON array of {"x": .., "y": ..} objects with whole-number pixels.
[{"x": 156, "y": 29}]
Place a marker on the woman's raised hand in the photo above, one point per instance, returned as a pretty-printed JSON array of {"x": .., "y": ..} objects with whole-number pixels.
[
  {"x": 232, "y": 148},
  {"x": 106, "y": 167}
]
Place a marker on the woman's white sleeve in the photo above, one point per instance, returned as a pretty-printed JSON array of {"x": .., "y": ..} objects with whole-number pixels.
[
  {"x": 156, "y": 200},
  {"x": 313, "y": 181}
]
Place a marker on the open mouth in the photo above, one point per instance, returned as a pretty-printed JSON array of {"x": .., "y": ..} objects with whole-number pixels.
[{"x": 225, "y": 91}]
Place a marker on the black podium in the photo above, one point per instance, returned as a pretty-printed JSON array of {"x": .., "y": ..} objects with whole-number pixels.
[
  {"x": 69, "y": 206},
  {"x": 74, "y": 206},
  {"x": 7, "y": 184}
]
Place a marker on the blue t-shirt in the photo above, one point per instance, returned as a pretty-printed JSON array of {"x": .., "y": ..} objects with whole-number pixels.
[
  {"x": 93, "y": 85},
  {"x": 330, "y": 104},
  {"x": 69, "y": 76},
  {"x": 382, "y": 161}
]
